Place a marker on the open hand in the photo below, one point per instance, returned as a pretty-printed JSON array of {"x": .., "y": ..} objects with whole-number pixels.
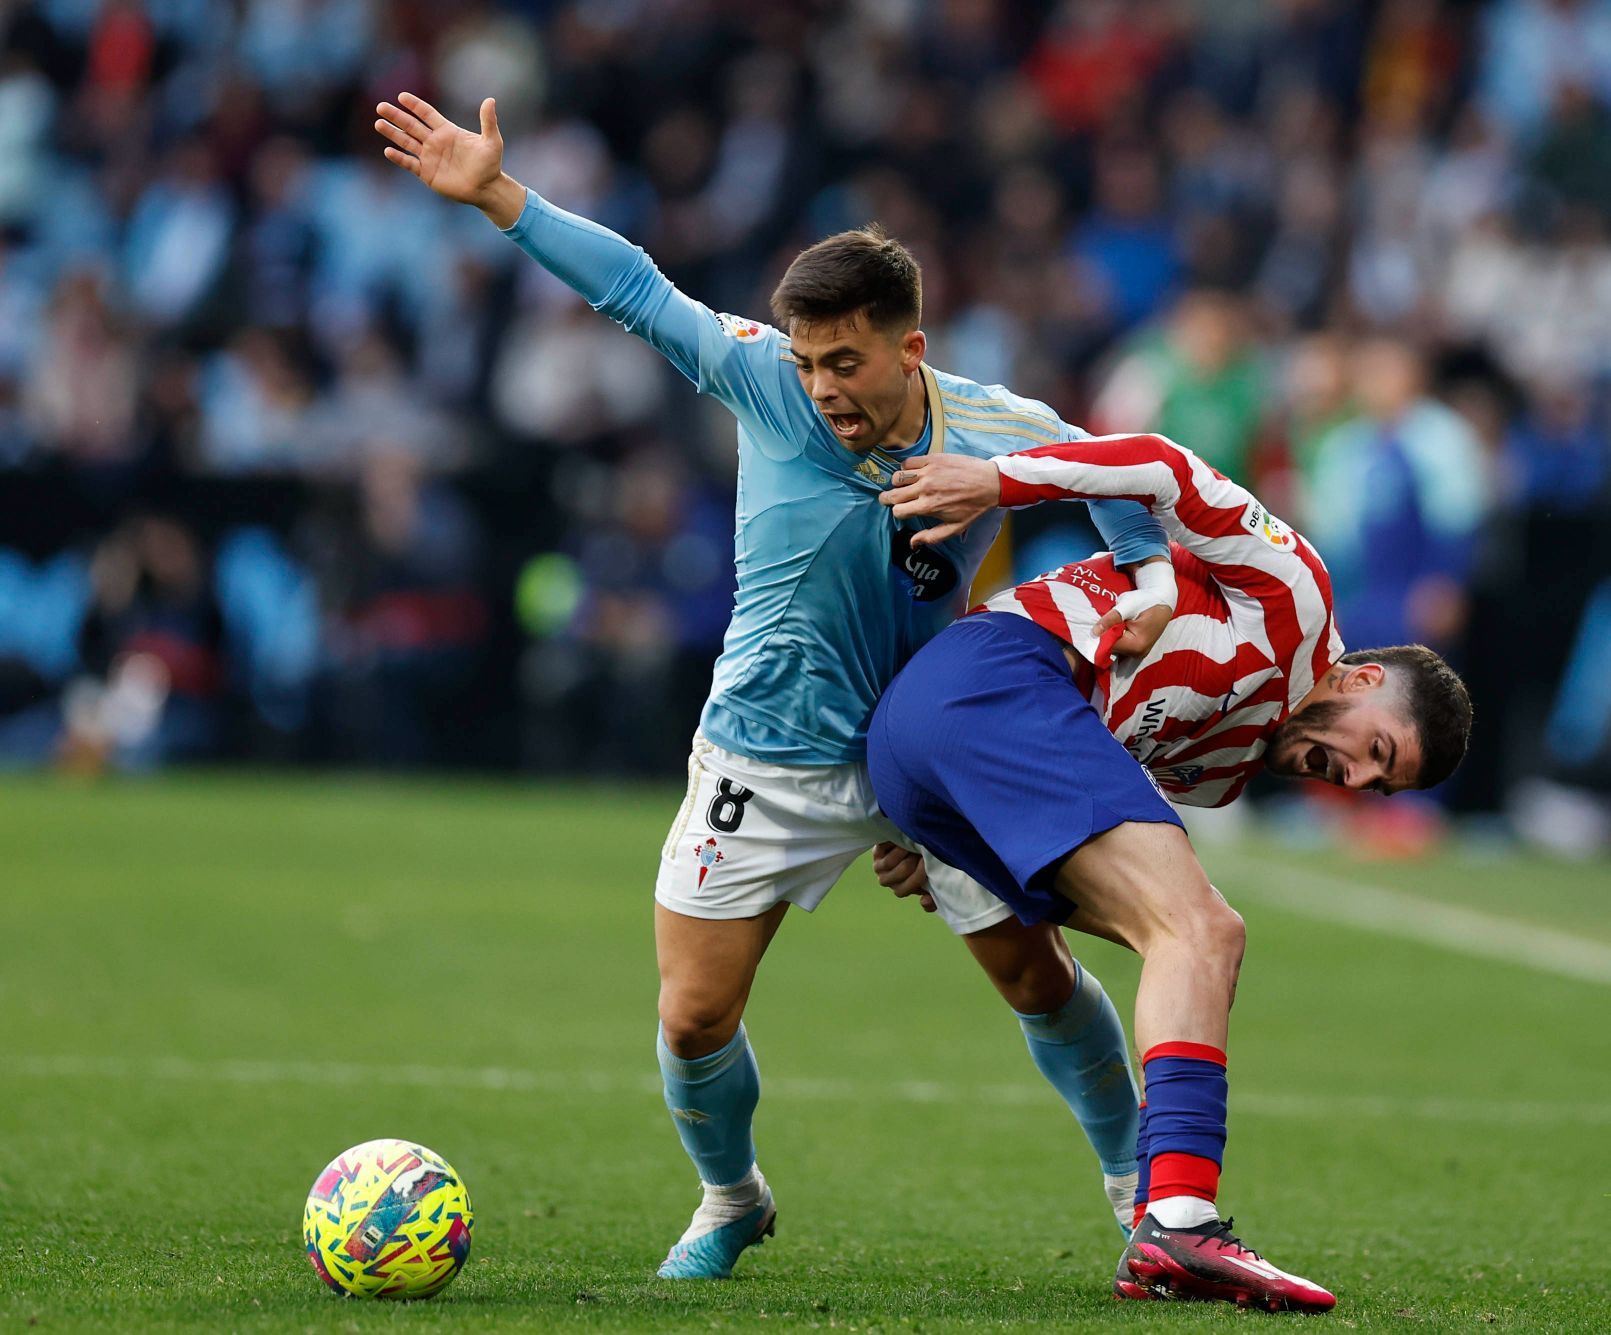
[
  {"x": 901, "y": 871},
  {"x": 458, "y": 164},
  {"x": 953, "y": 488}
]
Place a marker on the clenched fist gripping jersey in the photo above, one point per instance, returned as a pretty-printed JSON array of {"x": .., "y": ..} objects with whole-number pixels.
[
  {"x": 1252, "y": 632},
  {"x": 830, "y": 602}
]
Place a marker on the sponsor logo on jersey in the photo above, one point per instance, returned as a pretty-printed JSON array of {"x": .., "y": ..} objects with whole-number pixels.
[
  {"x": 1085, "y": 579},
  {"x": 736, "y": 326},
  {"x": 1184, "y": 775},
  {"x": 1153, "y": 714},
  {"x": 708, "y": 855},
  {"x": 1262, "y": 524},
  {"x": 873, "y": 471},
  {"x": 929, "y": 571}
]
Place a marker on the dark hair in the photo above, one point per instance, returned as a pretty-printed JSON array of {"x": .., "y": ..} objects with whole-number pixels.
[
  {"x": 1437, "y": 702},
  {"x": 849, "y": 273}
]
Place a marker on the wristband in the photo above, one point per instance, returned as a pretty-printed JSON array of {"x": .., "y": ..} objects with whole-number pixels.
[{"x": 1157, "y": 579}]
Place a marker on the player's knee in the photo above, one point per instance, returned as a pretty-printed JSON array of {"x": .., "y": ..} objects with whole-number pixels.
[
  {"x": 1040, "y": 985},
  {"x": 1030, "y": 966},
  {"x": 1191, "y": 915},
  {"x": 1224, "y": 935},
  {"x": 696, "y": 1023}
]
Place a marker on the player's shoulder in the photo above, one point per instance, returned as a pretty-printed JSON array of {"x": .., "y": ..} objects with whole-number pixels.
[
  {"x": 749, "y": 366},
  {"x": 756, "y": 334},
  {"x": 995, "y": 400},
  {"x": 994, "y": 420}
]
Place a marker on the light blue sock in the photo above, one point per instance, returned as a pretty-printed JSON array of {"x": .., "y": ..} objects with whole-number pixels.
[
  {"x": 712, "y": 1100},
  {"x": 1080, "y": 1048}
]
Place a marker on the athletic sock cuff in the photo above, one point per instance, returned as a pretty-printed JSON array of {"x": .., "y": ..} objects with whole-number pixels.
[
  {"x": 1069, "y": 1022},
  {"x": 696, "y": 1070},
  {"x": 1205, "y": 1052}
]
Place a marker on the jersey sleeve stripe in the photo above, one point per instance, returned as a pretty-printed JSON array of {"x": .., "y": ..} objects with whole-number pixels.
[
  {"x": 1043, "y": 610},
  {"x": 992, "y": 402},
  {"x": 990, "y": 429},
  {"x": 1321, "y": 658},
  {"x": 1205, "y": 508},
  {"x": 1053, "y": 429}
]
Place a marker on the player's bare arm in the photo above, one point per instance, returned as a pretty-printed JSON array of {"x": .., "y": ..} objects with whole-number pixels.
[{"x": 459, "y": 164}]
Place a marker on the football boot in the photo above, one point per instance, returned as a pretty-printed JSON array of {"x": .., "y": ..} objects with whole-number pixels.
[
  {"x": 712, "y": 1244},
  {"x": 1211, "y": 1262}
]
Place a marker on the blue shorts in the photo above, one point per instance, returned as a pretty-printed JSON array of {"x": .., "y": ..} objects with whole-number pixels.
[{"x": 984, "y": 751}]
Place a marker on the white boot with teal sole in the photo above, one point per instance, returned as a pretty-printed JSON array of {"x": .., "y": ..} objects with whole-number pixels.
[{"x": 727, "y": 1221}]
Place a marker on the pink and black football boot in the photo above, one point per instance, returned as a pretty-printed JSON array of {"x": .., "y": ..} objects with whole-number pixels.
[
  {"x": 1127, "y": 1288},
  {"x": 1210, "y": 1262}
]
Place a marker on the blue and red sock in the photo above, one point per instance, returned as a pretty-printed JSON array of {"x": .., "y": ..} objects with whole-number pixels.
[
  {"x": 1184, "y": 1131},
  {"x": 1143, "y": 1169}
]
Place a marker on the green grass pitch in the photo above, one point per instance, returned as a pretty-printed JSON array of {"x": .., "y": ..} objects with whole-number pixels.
[{"x": 212, "y": 984}]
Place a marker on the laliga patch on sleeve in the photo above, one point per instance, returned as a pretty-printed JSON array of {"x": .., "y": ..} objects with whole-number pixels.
[
  {"x": 1262, "y": 524},
  {"x": 736, "y": 326}
]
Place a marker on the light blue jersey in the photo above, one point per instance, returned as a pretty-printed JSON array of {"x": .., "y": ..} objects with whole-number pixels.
[{"x": 830, "y": 603}]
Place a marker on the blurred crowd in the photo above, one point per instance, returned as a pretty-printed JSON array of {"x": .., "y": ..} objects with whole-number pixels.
[{"x": 298, "y": 461}]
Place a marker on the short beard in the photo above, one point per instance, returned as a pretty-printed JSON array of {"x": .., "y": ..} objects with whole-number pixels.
[{"x": 1284, "y": 743}]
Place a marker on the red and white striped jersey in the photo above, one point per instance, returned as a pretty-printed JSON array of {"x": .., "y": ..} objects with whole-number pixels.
[{"x": 1252, "y": 631}]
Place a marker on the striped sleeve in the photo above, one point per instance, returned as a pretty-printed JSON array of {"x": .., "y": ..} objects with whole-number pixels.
[{"x": 1254, "y": 557}]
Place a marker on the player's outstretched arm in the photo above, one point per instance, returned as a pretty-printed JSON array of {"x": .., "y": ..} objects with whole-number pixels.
[
  {"x": 459, "y": 164},
  {"x": 614, "y": 276}
]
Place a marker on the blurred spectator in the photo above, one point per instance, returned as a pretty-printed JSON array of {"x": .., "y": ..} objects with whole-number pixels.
[
  {"x": 1533, "y": 48},
  {"x": 1126, "y": 247},
  {"x": 1558, "y": 455},
  {"x": 279, "y": 243},
  {"x": 1296, "y": 276},
  {"x": 1470, "y": 180},
  {"x": 566, "y": 375},
  {"x": 1318, "y": 399},
  {"x": 1386, "y": 272},
  {"x": 27, "y": 104},
  {"x": 84, "y": 381},
  {"x": 178, "y": 238},
  {"x": 296, "y": 48},
  {"x": 41, "y": 608},
  {"x": 151, "y": 648},
  {"x": 1571, "y": 162},
  {"x": 258, "y": 407},
  {"x": 1394, "y": 501},
  {"x": 1093, "y": 63},
  {"x": 1198, "y": 380},
  {"x": 655, "y": 589},
  {"x": 405, "y": 621},
  {"x": 371, "y": 398}
]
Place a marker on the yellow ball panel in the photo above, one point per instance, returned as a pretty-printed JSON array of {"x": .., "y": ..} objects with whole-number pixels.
[{"x": 388, "y": 1219}]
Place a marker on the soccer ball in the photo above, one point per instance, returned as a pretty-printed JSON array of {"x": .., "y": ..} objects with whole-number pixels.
[{"x": 388, "y": 1219}]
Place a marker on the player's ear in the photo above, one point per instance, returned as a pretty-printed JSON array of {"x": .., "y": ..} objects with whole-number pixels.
[
  {"x": 913, "y": 345},
  {"x": 1363, "y": 677}
]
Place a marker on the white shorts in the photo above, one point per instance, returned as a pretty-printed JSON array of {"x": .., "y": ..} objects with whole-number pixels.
[{"x": 750, "y": 836}]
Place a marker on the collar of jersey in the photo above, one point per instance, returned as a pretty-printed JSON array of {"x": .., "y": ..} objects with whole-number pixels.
[{"x": 933, "y": 434}]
